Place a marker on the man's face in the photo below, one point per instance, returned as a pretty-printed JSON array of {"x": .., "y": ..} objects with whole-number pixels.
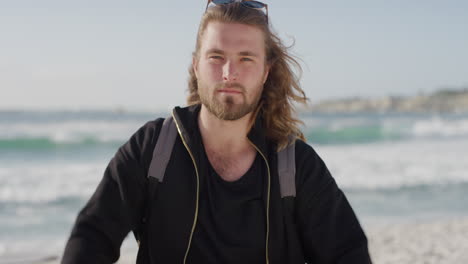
[{"x": 231, "y": 69}]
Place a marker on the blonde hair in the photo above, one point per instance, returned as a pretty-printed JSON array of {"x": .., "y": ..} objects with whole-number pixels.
[{"x": 281, "y": 88}]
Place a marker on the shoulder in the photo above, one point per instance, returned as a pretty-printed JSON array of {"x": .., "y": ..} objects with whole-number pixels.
[
  {"x": 149, "y": 130},
  {"x": 143, "y": 140},
  {"x": 328, "y": 226},
  {"x": 311, "y": 171},
  {"x": 306, "y": 154}
]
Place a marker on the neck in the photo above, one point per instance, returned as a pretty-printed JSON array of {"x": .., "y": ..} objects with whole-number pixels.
[{"x": 223, "y": 135}]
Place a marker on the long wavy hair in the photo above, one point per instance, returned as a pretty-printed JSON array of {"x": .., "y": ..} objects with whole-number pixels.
[{"x": 281, "y": 89}]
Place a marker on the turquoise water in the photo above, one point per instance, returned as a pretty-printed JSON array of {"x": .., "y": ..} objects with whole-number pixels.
[{"x": 393, "y": 167}]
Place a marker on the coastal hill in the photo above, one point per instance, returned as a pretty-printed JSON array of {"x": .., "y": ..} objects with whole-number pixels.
[{"x": 442, "y": 101}]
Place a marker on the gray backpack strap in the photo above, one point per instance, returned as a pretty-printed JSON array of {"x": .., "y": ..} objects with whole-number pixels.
[
  {"x": 163, "y": 150},
  {"x": 287, "y": 170}
]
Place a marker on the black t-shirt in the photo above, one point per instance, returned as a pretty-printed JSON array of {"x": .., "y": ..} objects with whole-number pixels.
[{"x": 231, "y": 224}]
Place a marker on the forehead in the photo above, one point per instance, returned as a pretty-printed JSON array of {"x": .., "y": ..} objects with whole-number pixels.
[{"x": 234, "y": 38}]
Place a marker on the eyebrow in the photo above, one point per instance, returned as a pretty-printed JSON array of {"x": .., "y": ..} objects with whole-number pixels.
[
  {"x": 242, "y": 53},
  {"x": 248, "y": 53}
]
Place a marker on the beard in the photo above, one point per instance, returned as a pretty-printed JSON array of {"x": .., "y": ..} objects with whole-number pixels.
[{"x": 225, "y": 108}]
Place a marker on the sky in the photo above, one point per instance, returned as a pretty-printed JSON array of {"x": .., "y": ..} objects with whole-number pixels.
[{"x": 135, "y": 55}]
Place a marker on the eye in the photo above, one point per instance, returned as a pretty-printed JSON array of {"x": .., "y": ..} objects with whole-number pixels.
[
  {"x": 246, "y": 59},
  {"x": 215, "y": 57}
]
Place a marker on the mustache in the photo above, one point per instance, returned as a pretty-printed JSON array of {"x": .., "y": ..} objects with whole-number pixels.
[{"x": 238, "y": 86}]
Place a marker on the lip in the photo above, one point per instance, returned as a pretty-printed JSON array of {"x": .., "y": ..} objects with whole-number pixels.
[{"x": 229, "y": 91}]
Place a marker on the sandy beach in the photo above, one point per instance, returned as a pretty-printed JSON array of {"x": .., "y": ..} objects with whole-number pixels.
[
  {"x": 437, "y": 242},
  {"x": 441, "y": 242}
]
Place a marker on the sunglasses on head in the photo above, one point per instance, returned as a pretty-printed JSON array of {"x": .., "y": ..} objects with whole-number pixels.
[{"x": 246, "y": 3}]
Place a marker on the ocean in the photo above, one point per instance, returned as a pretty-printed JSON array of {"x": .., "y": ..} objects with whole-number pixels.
[{"x": 392, "y": 167}]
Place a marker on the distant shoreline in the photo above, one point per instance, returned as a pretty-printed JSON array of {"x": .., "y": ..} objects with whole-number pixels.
[{"x": 442, "y": 101}]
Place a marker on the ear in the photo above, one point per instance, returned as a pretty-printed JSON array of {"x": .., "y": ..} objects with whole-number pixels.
[{"x": 195, "y": 65}]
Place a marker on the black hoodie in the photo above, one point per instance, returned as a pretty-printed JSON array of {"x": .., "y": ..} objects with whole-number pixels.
[{"x": 316, "y": 226}]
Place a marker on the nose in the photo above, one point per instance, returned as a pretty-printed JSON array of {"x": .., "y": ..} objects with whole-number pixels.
[{"x": 230, "y": 71}]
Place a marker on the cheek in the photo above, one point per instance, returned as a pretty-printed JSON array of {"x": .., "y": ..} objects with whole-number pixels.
[
  {"x": 256, "y": 76},
  {"x": 210, "y": 72},
  {"x": 216, "y": 72}
]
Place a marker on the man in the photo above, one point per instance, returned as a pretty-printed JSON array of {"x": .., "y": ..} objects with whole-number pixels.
[{"x": 220, "y": 201}]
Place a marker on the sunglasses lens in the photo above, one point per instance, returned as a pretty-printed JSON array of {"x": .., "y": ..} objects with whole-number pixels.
[
  {"x": 253, "y": 4},
  {"x": 222, "y": 2}
]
